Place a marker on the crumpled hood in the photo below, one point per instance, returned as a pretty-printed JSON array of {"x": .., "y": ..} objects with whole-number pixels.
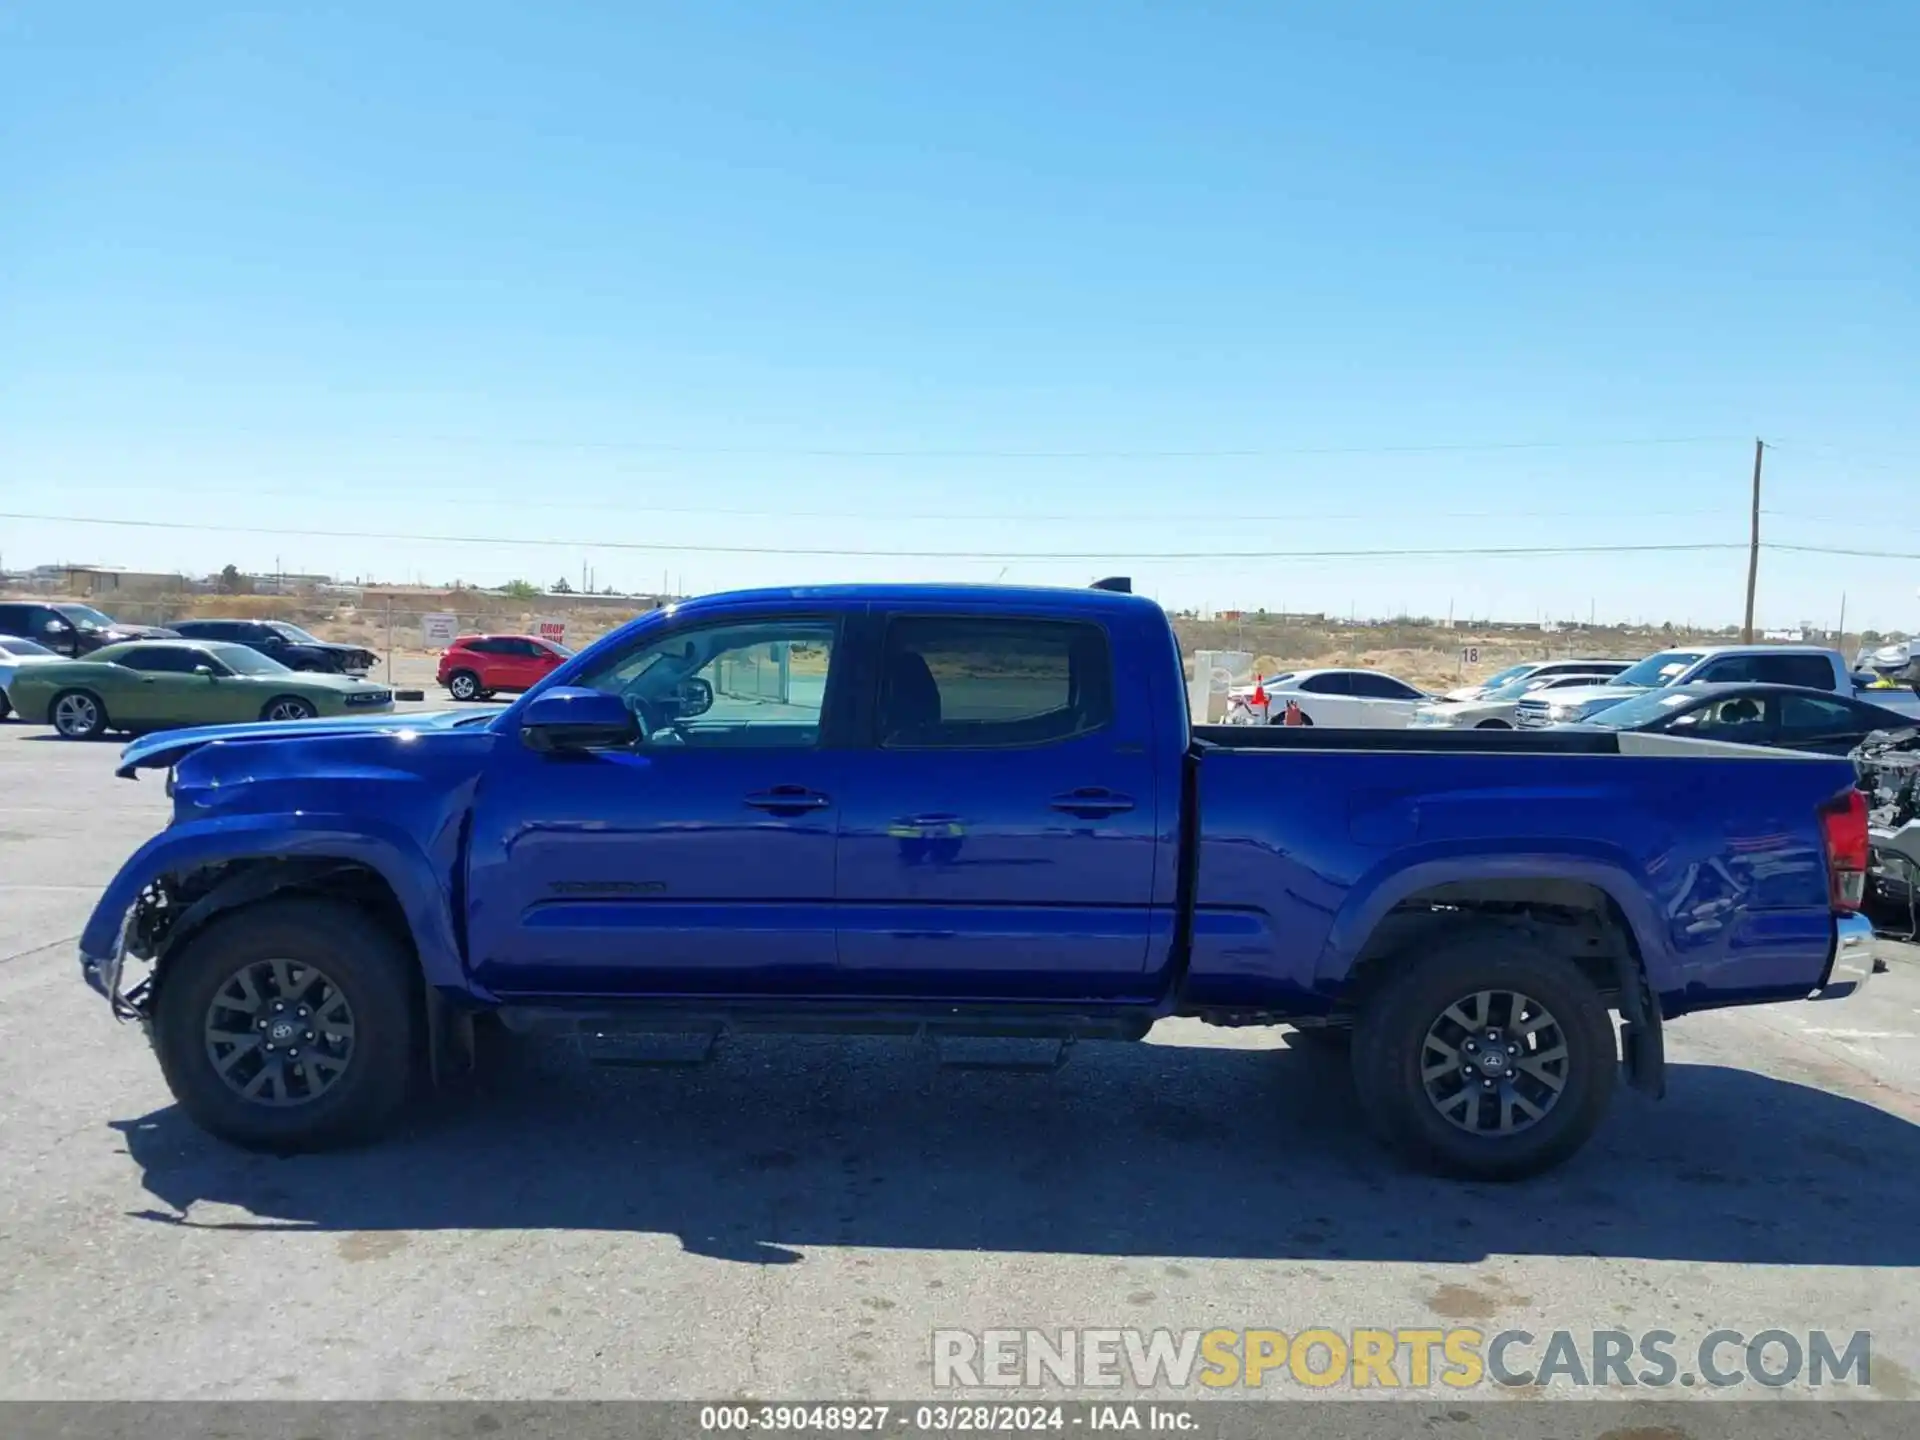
[
  {"x": 168, "y": 748},
  {"x": 116, "y": 633},
  {"x": 325, "y": 680},
  {"x": 332, "y": 647}
]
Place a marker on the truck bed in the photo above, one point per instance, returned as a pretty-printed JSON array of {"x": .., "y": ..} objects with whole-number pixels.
[
  {"x": 1496, "y": 742},
  {"x": 1308, "y": 838}
]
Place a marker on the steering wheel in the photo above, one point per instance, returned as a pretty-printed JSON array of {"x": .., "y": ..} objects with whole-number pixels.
[
  {"x": 646, "y": 716},
  {"x": 637, "y": 707}
]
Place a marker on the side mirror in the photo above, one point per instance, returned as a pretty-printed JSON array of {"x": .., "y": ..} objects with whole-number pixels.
[
  {"x": 568, "y": 717},
  {"x": 205, "y": 672},
  {"x": 57, "y": 627},
  {"x": 693, "y": 697}
]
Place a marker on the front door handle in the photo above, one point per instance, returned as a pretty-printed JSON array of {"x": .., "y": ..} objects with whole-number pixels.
[
  {"x": 789, "y": 800},
  {"x": 1092, "y": 801}
]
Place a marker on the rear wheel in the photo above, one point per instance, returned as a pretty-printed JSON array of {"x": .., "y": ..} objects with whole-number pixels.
[
  {"x": 1493, "y": 725},
  {"x": 288, "y": 707},
  {"x": 463, "y": 685},
  {"x": 288, "y": 1026},
  {"x": 78, "y": 715},
  {"x": 1486, "y": 1059}
]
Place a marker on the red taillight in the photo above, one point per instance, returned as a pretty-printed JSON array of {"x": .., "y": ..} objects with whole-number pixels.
[{"x": 1843, "y": 825}]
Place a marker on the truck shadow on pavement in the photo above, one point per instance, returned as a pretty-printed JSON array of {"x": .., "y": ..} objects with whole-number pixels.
[{"x": 1130, "y": 1150}]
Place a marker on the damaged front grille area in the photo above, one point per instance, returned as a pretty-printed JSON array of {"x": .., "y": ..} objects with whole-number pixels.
[{"x": 1888, "y": 766}]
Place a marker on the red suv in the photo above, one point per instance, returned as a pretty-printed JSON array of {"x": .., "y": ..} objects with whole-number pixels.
[{"x": 477, "y": 665}]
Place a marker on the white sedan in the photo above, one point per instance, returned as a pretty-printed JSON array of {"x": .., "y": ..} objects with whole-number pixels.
[
  {"x": 14, "y": 654},
  {"x": 1341, "y": 699},
  {"x": 1495, "y": 709}
]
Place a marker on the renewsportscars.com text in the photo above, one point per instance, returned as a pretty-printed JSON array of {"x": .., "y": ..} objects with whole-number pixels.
[{"x": 1460, "y": 1358}]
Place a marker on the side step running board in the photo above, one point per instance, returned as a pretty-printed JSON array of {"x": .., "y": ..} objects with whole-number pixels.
[{"x": 671, "y": 1034}]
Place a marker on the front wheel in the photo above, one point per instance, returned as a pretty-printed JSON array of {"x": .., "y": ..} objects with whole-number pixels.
[
  {"x": 288, "y": 707},
  {"x": 288, "y": 1026},
  {"x": 78, "y": 715},
  {"x": 1485, "y": 1059},
  {"x": 1493, "y": 725}
]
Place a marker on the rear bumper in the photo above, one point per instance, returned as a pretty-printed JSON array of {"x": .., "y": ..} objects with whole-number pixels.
[{"x": 1854, "y": 951}]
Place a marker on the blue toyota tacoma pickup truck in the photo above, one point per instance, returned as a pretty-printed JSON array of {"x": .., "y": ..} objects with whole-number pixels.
[{"x": 960, "y": 812}]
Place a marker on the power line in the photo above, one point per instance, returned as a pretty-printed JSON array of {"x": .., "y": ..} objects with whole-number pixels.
[
  {"x": 644, "y": 507},
  {"x": 939, "y": 453},
  {"x": 1430, "y": 552},
  {"x": 1859, "y": 554}
]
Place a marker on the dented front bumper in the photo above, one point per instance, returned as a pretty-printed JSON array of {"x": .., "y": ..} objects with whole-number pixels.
[{"x": 106, "y": 975}]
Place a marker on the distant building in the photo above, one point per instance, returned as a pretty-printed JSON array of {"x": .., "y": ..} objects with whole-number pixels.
[
  {"x": 284, "y": 583},
  {"x": 105, "y": 581}
]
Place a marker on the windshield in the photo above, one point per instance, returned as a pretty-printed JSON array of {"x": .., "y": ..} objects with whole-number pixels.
[
  {"x": 293, "y": 633},
  {"x": 1505, "y": 678},
  {"x": 86, "y": 617},
  {"x": 1526, "y": 685},
  {"x": 1642, "y": 709},
  {"x": 1654, "y": 670},
  {"x": 11, "y": 646},
  {"x": 242, "y": 661}
]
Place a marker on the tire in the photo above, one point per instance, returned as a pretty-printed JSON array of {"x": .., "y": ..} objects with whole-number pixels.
[
  {"x": 6, "y": 705},
  {"x": 1306, "y": 720},
  {"x": 354, "y": 959},
  {"x": 288, "y": 707},
  {"x": 78, "y": 715},
  {"x": 1493, "y": 725},
  {"x": 464, "y": 685},
  {"x": 1391, "y": 1044}
]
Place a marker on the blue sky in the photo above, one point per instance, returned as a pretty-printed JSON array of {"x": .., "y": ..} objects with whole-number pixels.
[{"x": 1002, "y": 279}]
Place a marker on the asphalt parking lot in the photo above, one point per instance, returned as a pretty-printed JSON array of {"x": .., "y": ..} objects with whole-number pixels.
[{"x": 796, "y": 1218}]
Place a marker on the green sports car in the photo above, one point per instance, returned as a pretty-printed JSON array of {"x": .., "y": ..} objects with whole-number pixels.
[{"x": 163, "y": 684}]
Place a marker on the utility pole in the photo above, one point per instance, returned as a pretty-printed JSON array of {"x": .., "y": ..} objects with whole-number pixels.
[
  {"x": 1841, "y": 642},
  {"x": 1753, "y": 545}
]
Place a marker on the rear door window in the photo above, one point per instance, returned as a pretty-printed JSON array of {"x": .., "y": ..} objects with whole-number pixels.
[
  {"x": 1815, "y": 672},
  {"x": 157, "y": 660},
  {"x": 1337, "y": 683},
  {"x": 1382, "y": 687},
  {"x": 1807, "y": 717},
  {"x": 972, "y": 682}
]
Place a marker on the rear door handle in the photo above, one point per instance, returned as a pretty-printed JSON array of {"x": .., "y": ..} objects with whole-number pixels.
[
  {"x": 789, "y": 800},
  {"x": 1091, "y": 801}
]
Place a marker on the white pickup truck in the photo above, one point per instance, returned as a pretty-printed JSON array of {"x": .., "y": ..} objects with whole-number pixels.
[{"x": 1801, "y": 665}]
